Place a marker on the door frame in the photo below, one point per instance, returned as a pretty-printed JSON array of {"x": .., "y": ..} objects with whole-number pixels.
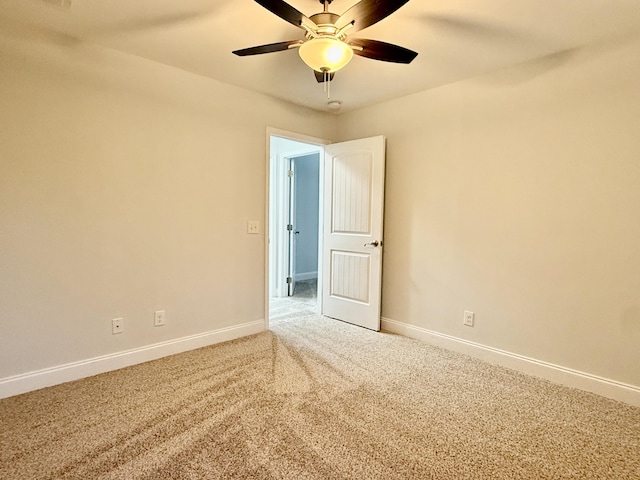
[{"x": 296, "y": 137}]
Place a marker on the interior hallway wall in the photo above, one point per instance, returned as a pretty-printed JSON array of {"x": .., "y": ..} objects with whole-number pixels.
[{"x": 307, "y": 171}]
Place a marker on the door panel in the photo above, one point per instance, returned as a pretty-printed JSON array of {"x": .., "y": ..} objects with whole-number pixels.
[
  {"x": 353, "y": 213},
  {"x": 350, "y": 274},
  {"x": 351, "y": 200}
]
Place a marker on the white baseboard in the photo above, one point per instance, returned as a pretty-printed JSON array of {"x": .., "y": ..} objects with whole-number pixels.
[
  {"x": 47, "y": 377},
  {"x": 305, "y": 276},
  {"x": 622, "y": 392}
]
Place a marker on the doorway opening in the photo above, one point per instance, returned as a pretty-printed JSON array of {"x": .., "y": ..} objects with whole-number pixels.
[
  {"x": 294, "y": 225},
  {"x": 350, "y": 218}
]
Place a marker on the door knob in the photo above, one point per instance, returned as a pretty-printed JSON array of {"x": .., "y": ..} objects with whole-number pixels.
[{"x": 375, "y": 243}]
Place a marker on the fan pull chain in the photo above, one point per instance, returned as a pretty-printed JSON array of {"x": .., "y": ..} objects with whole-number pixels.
[{"x": 326, "y": 80}]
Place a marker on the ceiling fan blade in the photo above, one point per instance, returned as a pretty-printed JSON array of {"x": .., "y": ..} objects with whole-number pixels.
[
  {"x": 272, "y": 47},
  {"x": 320, "y": 76},
  {"x": 367, "y": 12},
  {"x": 285, "y": 11},
  {"x": 386, "y": 52}
]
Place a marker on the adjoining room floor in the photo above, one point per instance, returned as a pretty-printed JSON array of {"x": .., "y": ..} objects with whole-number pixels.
[{"x": 303, "y": 302}]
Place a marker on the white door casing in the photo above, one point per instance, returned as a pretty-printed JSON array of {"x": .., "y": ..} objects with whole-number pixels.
[
  {"x": 352, "y": 231},
  {"x": 281, "y": 145},
  {"x": 291, "y": 228}
]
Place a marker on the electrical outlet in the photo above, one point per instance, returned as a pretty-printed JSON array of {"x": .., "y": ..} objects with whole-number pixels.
[
  {"x": 468, "y": 318},
  {"x": 117, "y": 325},
  {"x": 159, "y": 318},
  {"x": 253, "y": 226}
]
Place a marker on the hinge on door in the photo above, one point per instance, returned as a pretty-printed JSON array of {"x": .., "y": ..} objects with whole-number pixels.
[
  {"x": 289, "y": 280},
  {"x": 290, "y": 173},
  {"x": 290, "y": 227}
]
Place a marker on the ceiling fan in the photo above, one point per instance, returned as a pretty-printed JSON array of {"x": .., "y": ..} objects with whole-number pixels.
[{"x": 326, "y": 47}]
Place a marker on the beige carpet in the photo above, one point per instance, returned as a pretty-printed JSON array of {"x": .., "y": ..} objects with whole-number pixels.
[{"x": 317, "y": 399}]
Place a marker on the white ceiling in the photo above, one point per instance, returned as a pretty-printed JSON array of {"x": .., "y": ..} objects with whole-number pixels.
[{"x": 456, "y": 39}]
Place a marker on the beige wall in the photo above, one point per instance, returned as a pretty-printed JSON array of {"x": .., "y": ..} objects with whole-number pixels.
[
  {"x": 517, "y": 196},
  {"x": 125, "y": 187}
]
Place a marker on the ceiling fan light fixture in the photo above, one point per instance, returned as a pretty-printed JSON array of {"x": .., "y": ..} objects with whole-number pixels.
[{"x": 325, "y": 54}]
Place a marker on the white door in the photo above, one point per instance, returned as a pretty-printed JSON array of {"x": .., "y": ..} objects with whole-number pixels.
[{"x": 352, "y": 238}]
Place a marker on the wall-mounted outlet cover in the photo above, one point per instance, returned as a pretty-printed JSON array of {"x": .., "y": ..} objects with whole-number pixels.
[
  {"x": 159, "y": 318},
  {"x": 117, "y": 325},
  {"x": 253, "y": 227}
]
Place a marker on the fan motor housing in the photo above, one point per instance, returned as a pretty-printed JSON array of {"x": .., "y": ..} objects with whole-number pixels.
[{"x": 324, "y": 18}]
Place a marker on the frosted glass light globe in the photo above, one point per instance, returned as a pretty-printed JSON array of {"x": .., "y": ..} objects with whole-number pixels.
[{"x": 325, "y": 54}]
